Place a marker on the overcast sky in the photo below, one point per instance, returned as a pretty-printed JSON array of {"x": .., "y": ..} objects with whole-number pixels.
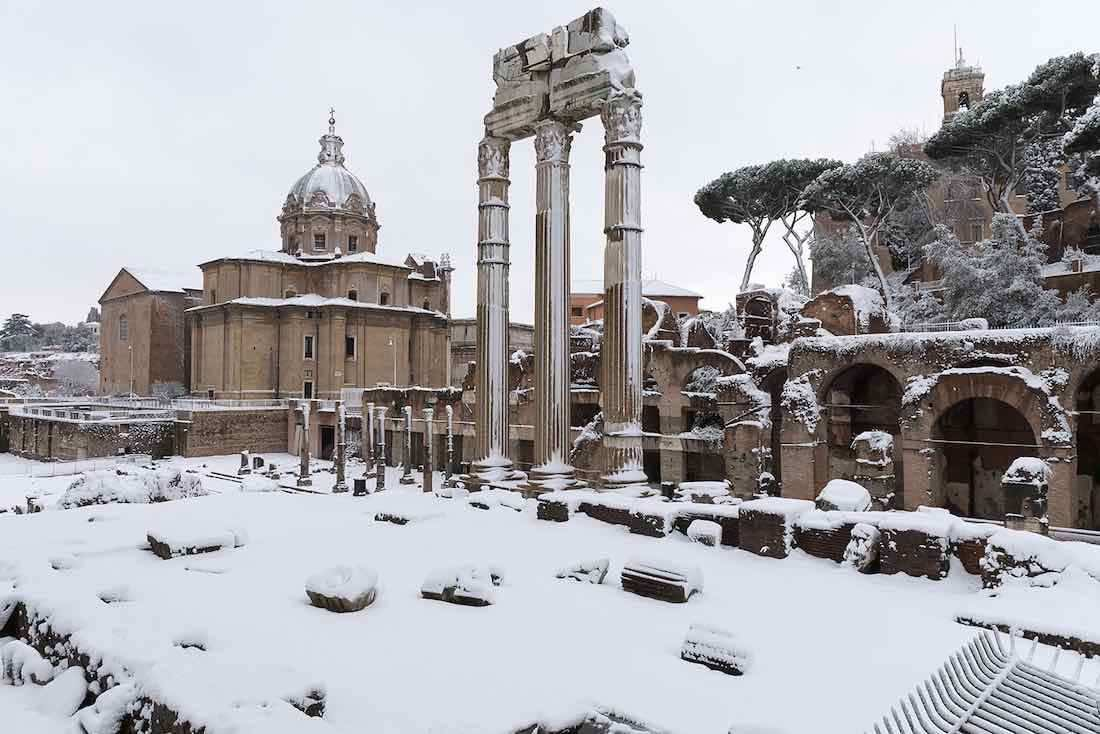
[{"x": 163, "y": 135}]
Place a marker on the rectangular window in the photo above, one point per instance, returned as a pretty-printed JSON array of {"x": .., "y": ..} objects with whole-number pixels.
[
  {"x": 353, "y": 242},
  {"x": 307, "y": 390},
  {"x": 577, "y": 311},
  {"x": 318, "y": 240},
  {"x": 307, "y": 350},
  {"x": 123, "y": 329},
  {"x": 213, "y": 296},
  {"x": 349, "y": 347},
  {"x": 976, "y": 232}
]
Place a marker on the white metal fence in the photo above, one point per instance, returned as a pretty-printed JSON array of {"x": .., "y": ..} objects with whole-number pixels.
[{"x": 982, "y": 325}]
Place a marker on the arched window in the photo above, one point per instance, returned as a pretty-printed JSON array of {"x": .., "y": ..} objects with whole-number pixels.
[
  {"x": 964, "y": 100},
  {"x": 353, "y": 295},
  {"x": 427, "y": 305},
  {"x": 123, "y": 328},
  {"x": 383, "y": 298}
]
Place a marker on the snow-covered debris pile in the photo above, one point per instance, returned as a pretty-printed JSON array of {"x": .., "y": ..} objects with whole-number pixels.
[
  {"x": 258, "y": 483},
  {"x": 841, "y": 494},
  {"x": 1024, "y": 556},
  {"x": 767, "y": 525},
  {"x": 131, "y": 484},
  {"x": 867, "y": 303},
  {"x": 343, "y": 588},
  {"x": 21, "y": 664},
  {"x": 63, "y": 695},
  {"x": 706, "y": 532},
  {"x": 1027, "y": 470},
  {"x": 487, "y": 499},
  {"x": 186, "y": 540},
  {"x": 862, "y": 550},
  {"x": 715, "y": 648},
  {"x": 875, "y": 448},
  {"x": 592, "y": 572},
  {"x": 471, "y": 585},
  {"x": 111, "y": 707},
  {"x": 661, "y": 579}
]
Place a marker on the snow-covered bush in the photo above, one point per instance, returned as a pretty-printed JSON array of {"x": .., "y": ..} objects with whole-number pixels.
[
  {"x": 862, "y": 550},
  {"x": 131, "y": 484},
  {"x": 840, "y": 494},
  {"x": 343, "y": 588}
]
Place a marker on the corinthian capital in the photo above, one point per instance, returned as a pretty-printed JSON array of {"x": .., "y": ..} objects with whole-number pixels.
[
  {"x": 492, "y": 157},
  {"x": 552, "y": 142},
  {"x": 622, "y": 118}
]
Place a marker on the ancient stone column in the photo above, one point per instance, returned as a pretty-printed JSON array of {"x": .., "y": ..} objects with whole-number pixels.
[
  {"x": 428, "y": 463},
  {"x": 553, "y": 140},
  {"x": 448, "y": 481},
  {"x": 341, "y": 448},
  {"x": 406, "y": 465},
  {"x": 304, "y": 479},
  {"x": 380, "y": 451},
  {"x": 368, "y": 453},
  {"x": 621, "y": 352},
  {"x": 491, "y": 417}
]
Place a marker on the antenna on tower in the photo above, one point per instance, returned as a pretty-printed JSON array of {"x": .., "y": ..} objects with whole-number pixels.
[{"x": 955, "y": 33}]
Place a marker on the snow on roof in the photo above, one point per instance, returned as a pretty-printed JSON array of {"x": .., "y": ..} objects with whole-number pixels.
[
  {"x": 1089, "y": 264},
  {"x": 313, "y": 300},
  {"x": 651, "y": 288},
  {"x": 166, "y": 281},
  {"x": 276, "y": 256}
]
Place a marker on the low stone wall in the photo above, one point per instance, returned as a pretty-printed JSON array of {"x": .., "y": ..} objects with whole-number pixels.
[
  {"x": 53, "y": 440},
  {"x": 213, "y": 432}
]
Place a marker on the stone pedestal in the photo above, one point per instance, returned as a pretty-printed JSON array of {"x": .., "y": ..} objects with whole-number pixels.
[
  {"x": 491, "y": 416},
  {"x": 621, "y": 353}
]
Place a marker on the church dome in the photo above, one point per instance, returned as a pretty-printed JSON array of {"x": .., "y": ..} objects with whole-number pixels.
[{"x": 329, "y": 185}]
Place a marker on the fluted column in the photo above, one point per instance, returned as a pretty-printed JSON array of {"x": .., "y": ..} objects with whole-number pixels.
[
  {"x": 491, "y": 416},
  {"x": 553, "y": 140},
  {"x": 621, "y": 353}
]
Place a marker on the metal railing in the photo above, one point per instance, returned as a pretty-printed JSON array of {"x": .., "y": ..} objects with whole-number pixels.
[{"x": 975, "y": 325}]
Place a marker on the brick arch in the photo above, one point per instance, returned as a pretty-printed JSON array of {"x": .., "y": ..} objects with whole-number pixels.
[
  {"x": 825, "y": 383},
  {"x": 950, "y": 390}
]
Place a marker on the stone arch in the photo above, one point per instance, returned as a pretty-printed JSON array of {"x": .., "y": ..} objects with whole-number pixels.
[
  {"x": 1086, "y": 404},
  {"x": 856, "y": 399}
]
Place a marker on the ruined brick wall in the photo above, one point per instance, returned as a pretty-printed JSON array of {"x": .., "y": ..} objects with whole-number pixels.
[
  {"x": 213, "y": 432},
  {"x": 46, "y": 440}
]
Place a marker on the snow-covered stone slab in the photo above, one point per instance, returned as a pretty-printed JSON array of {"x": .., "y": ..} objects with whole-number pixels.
[
  {"x": 489, "y": 498},
  {"x": 706, "y": 532},
  {"x": 702, "y": 492},
  {"x": 470, "y": 585},
  {"x": 727, "y": 517},
  {"x": 653, "y": 517},
  {"x": 170, "y": 542},
  {"x": 968, "y": 543},
  {"x": 767, "y": 525},
  {"x": 592, "y": 572},
  {"x": 589, "y": 720},
  {"x": 343, "y": 588},
  {"x": 662, "y": 579},
  {"x": 715, "y": 648},
  {"x": 1018, "y": 554},
  {"x": 916, "y": 543},
  {"x": 21, "y": 664}
]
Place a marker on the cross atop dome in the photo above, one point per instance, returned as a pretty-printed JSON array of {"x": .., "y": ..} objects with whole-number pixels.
[{"x": 332, "y": 145}]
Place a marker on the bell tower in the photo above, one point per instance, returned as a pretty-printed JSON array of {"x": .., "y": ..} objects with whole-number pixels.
[{"x": 962, "y": 86}]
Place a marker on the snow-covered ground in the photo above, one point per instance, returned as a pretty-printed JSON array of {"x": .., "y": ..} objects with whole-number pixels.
[{"x": 832, "y": 649}]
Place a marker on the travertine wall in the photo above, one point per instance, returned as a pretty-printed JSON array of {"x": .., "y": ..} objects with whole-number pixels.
[{"x": 42, "y": 439}]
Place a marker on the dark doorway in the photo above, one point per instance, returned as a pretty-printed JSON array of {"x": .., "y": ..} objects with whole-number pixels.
[{"x": 328, "y": 441}]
